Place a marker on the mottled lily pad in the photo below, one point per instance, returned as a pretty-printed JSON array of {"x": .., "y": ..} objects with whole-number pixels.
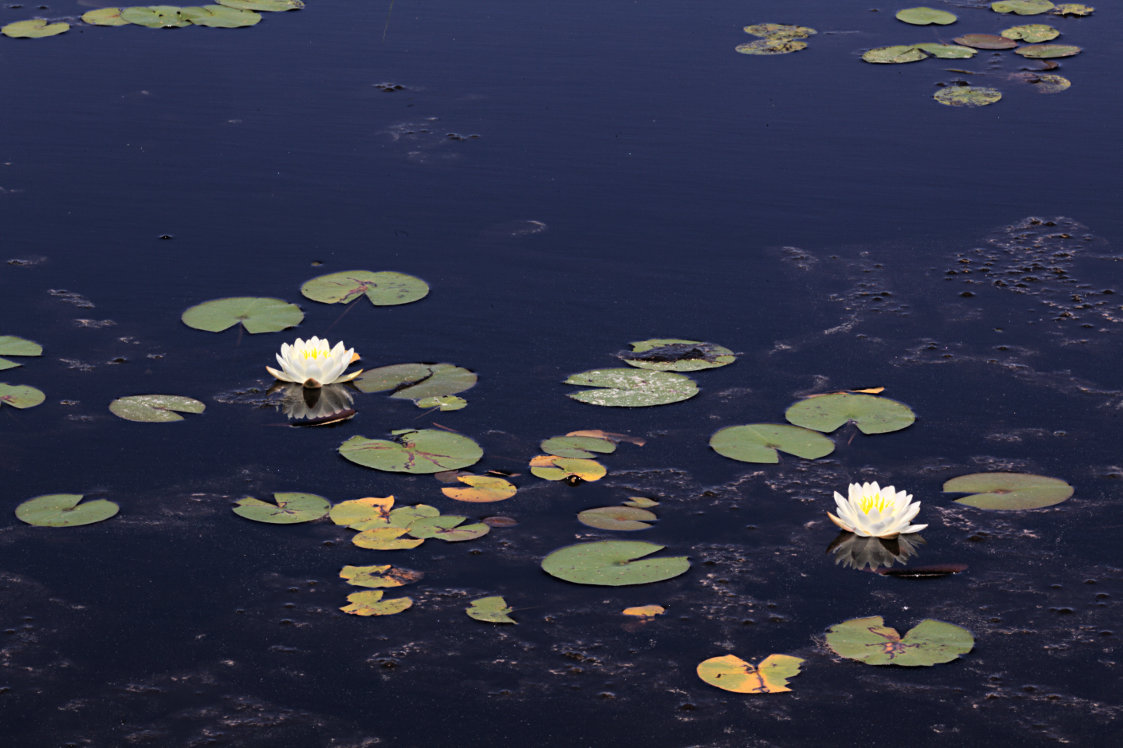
[
  {"x": 779, "y": 31},
  {"x": 1045, "y": 83},
  {"x": 361, "y": 514},
  {"x": 266, "y": 5},
  {"x": 64, "y": 510},
  {"x": 155, "y": 16},
  {"x": 673, "y": 354},
  {"x": 731, "y": 673},
  {"x": 1073, "y": 9},
  {"x": 290, "y": 509},
  {"x": 104, "y": 17},
  {"x": 985, "y": 41},
  {"x": 10, "y": 345},
  {"x": 869, "y": 640},
  {"x": 35, "y": 28},
  {"x": 1022, "y": 7},
  {"x": 155, "y": 408},
  {"x": 370, "y": 603},
  {"x": 619, "y": 518},
  {"x": 1009, "y": 491},
  {"x": 577, "y": 446},
  {"x": 762, "y": 442},
  {"x": 967, "y": 96},
  {"x": 924, "y": 16},
  {"x": 256, "y": 314},
  {"x": 948, "y": 51},
  {"x": 384, "y": 288},
  {"x": 1031, "y": 32},
  {"x": 220, "y": 17},
  {"x": 379, "y": 575},
  {"x": 480, "y": 489},
  {"x": 779, "y": 46},
  {"x": 552, "y": 467},
  {"x": 20, "y": 395},
  {"x": 613, "y": 563},
  {"x": 896, "y": 54},
  {"x": 492, "y": 609},
  {"x": 872, "y": 414},
  {"x": 631, "y": 388},
  {"x": 413, "y": 451},
  {"x": 1047, "y": 51}
]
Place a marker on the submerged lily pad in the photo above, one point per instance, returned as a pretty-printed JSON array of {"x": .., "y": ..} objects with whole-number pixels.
[
  {"x": 1022, "y": 7},
  {"x": 731, "y": 673},
  {"x": 219, "y": 16},
  {"x": 1009, "y": 491},
  {"x": 267, "y": 5},
  {"x": 64, "y": 510},
  {"x": 577, "y": 446},
  {"x": 869, "y": 640},
  {"x": 552, "y": 467},
  {"x": 10, "y": 345},
  {"x": 779, "y": 31},
  {"x": 896, "y": 54},
  {"x": 781, "y": 46},
  {"x": 155, "y": 16},
  {"x": 924, "y": 16},
  {"x": 1047, "y": 51},
  {"x": 35, "y": 28},
  {"x": 20, "y": 395},
  {"x": 384, "y": 288},
  {"x": 967, "y": 96},
  {"x": 155, "y": 408},
  {"x": 1045, "y": 83},
  {"x": 370, "y": 603},
  {"x": 629, "y": 388},
  {"x": 379, "y": 575},
  {"x": 985, "y": 41},
  {"x": 290, "y": 509},
  {"x": 480, "y": 489},
  {"x": 613, "y": 563},
  {"x": 872, "y": 414},
  {"x": 492, "y": 609},
  {"x": 1031, "y": 32},
  {"x": 413, "y": 451},
  {"x": 673, "y": 354},
  {"x": 948, "y": 51},
  {"x": 762, "y": 442},
  {"x": 257, "y": 314},
  {"x": 620, "y": 518},
  {"x": 104, "y": 17}
]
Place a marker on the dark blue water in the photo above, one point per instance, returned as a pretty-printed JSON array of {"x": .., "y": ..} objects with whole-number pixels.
[{"x": 567, "y": 177}]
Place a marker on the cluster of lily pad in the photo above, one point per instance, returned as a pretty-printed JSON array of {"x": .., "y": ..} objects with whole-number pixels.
[
  {"x": 569, "y": 458},
  {"x": 226, "y": 14},
  {"x": 18, "y": 395},
  {"x": 775, "y": 39}
]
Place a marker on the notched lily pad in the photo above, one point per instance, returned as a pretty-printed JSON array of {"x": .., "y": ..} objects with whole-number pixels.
[
  {"x": 572, "y": 469},
  {"x": 577, "y": 446},
  {"x": 673, "y": 354},
  {"x": 370, "y": 603},
  {"x": 417, "y": 381},
  {"x": 480, "y": 489},
  {"x": 155, "y": 408},
  {"x": 35, "y": 28},
  {"x": 384, "y": 288},
  {"x": 1047, "y": 51},
  {"x": 617, "y": 518},
  {"x": 64, "y": 510},
  {"x": 104, "y": 17},
  {"x": 731, "y": 673},
  {"x": 1022, "y": 7},
  {"x": 631, "y": 388},
  {"x": 967, "y": 96},
  {"x": 894, "y": 55},
  {"x": 256, "y": 314},
  {"x": 762, "y": 442},
  {"x": 613, "y": 563},
  {"x": 869, "y": 640},
  {"x": 386, "y": 539},
  {"x": 985, "y": 41},
  {"x": 872, "y": 414},
  {"x": 948, "y": 51},
  {"x": 492, "y": 609},
  {"x": 925, "y": 16},
  {"x": 364, "y": 513},
  {"x": 10, "y": 345},
  {"x": 413, "y": 451},
  {"x": 20, "y": 395},
  {"x": 1009, "y": 491},
  {"x": 379, "y": 575},
  {"x": 290, "y": 509}
]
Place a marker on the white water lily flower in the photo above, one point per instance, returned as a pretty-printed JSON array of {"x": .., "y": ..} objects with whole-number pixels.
[
  {"x": 313, "y": 364},
  {"x": 875, "y": 512}
]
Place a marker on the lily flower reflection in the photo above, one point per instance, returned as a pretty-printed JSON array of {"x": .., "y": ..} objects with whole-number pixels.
[
  {"x": 312, "y": 363},
  {"x": 855, "y": 552},
  {"x": 317, "y": 407},
  {"x": 875, "y": 512}
]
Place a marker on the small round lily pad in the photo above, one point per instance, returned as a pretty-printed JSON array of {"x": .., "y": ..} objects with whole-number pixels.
[
  {"x": 553, "y": 467},
  {"x": 577, "y": 446},
  {"x": 35, "y": 28},
  {"x": 155, "y": 408},
  {"x": 872, "y": 414},
  {"x": 967, "y": 96},
  {"x": 256, "y": 314},
  {"x": 613, "y": 563},
  {"x": 480, "y": 489},
  {"x": 632, "y": 388},
  {"x": 869, "y": 640},
  {"x": 1009, "y": 491},
  {"x": 674, "y": 354},
  {"x": 1022, "y": 7},
  {"x": 762, "y": 442},
  {"x": 20, "y": 395},
  {"x": 1031, "y": 32},
  {"x": 1047, "y": 51},
  {"x": 290, "y": 509},
  {"x": 731, "y": 673},
  {"x": 618, "y": 518},
  {"x": 64, "y": 510},
  {"x": 413, "y": 451},
  {"x": 383, "y": 288},
  {"x": 925, "y": 16},
  {"x": 492, "y": 609},
  {"x": 371, "y": 603}
]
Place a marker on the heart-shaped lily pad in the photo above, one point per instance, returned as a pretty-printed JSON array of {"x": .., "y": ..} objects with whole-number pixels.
[
  {"x": 925, "y": 16},
  {"x": 869, "y": 640},
  {"x": 155, "y": 16},
  {"x": 63, "y": 510},
  {"x": 290, "y": 509},
  {"x": 220, "y": 16},
  {"x": 405, "y": 516},
  {"x": 967, "y": 96},
  {"x": 35, "y": 28},
  {"x": 480, "y": 489},
  {"x": 20, "y": 395},
  {"x": 417, "y": 381},
  {"x": 413, "y": 451},
  {"x": 266, "y": 5},
  {"x": 674, "y": 354},
  {"x": 384, "y": 288},
  {"x": 104, "y": 17},
  {"x": 155, "y": 408},
  {"x": 370, "y": 603},
  {"x": 552, "y": 467},
  {"x": 631, "y": 388},
  {"x": 577, "y": 446},
  {"x": 447, "y": 527},
  {"x": 1022, "y": 7},
  {"x": 985, "y": 41},
  {"x": 1009, "y": 491},
  {"x": 621, "y": 518},
  {"x": 870, "y": 413},
  {"x": 761, "y": 442},
  {"x": 10, "y": 345},
  {"x": 257, "y": 314},
  {"x": 492, "y": 609},
  {"x": 379, "y": 575},
  {"x": 731, "y": 673},
  {"x": 948, "y": 51},
  {"x": 894, "y": 55},
  {"x": 1047, "y": 51},
  {"x": 613, "y": 563}
]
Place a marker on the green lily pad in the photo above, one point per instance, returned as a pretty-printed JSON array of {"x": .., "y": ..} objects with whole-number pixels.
[
  {"x": 780, "y": 46},
  {"x": 447, "y": 528},
  {"x": 20, "y": 395},
  {"x": 290, "y": 509},
  {"x": 63, "y": 510},
  {"x": 155, "y": 408},
  {"x": 779, "y": 31},
  {"x": 405, "y": 516},
  {"x": 418, "y": 381},
  {"x": 894, "y": 55},
  {"x": 731, "y": 673},
  {"x": 641, "y": 501},
  {"x": 35, "y": 28},
  {"x": 386, "y": 539},
  {"x": 1047, "y": 51},
  {"x": 762, "y": 442},
  {"x": 379, "y": 575},
  {"x": 577, "y": 446},
  {"x": 985, "y": 41},
  {"x": 384, "y": 288},
  {"x": 492, "y": 609},
  {"x": 673, "y": 354},
  {"x": 104, "y": 17},
  {"x": 413, "y": 451},
  {"x": 219, "y": 16},
  {"x": 1031, "y": 32},
  {"x": 444, "y": 403},
  {"x": 924, "y": 16},
  {"x": 1022, "y": 7},
  {"x": 870, "y": 413},
  {"x": 1073, "y": 9},
  {"x": 869, "y": 640},
  {"x": 1009, "y": 491},
  {"x": 266, "y": 5},
  {"x": 10, "y": 345},
  {"x": 370, "y": 603},
  {"x": 571, "y": 469},
  {"x": 257, "y": 314},
  {"x": 613, "y": 563},
  {"x": 948, "y": 51},
  {"x": 622, "y": 518},
  {"x": 155, "y": 16},
  {"x": 629, "y": 388},
  {"x": 386, "y": 378},
  {"x": 967, "y": 96}
]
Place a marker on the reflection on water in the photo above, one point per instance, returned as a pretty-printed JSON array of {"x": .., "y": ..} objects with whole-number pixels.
[
  {"x": 320, "y": 406},
  {"x": 856, "y": 552}
]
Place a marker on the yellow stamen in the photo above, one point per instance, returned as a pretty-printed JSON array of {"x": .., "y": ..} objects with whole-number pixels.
[{"x": 876, "y": 501}]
